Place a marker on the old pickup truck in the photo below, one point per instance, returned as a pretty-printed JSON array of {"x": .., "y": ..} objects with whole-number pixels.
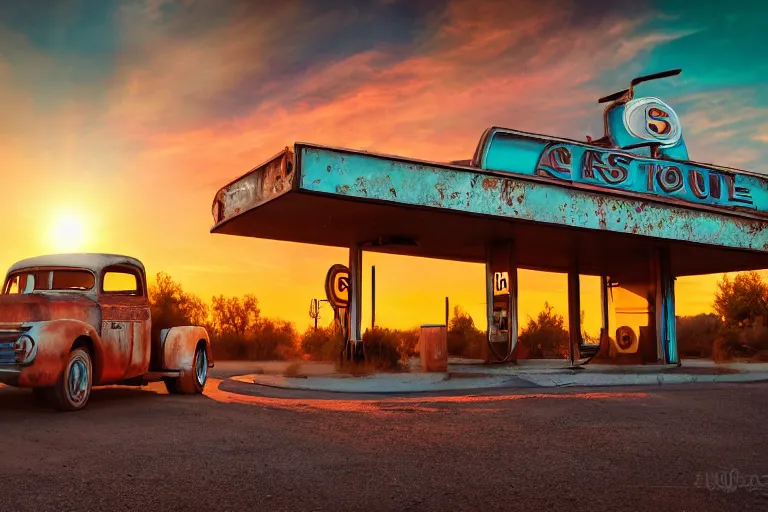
[{"x": 72, "y": 321}]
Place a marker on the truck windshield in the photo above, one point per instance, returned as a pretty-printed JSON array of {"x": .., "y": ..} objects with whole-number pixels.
[{"x": 28, "y": 281}]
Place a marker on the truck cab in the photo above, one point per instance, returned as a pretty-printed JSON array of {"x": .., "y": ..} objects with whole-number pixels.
[{"x": 71, "y": 321}]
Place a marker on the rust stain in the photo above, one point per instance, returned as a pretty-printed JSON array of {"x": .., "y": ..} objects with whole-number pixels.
[
  {"x": 755, "y": 228},
  {"x": 440, "y": 187},
  {"x": 393, "y": 192},
  {"x": 489, "y": 183},
  {"x": 360, "y": 183},
  {"x": 506, "y": 191}
]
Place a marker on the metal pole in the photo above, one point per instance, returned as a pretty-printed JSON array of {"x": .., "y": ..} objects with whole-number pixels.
[
  {"x": 373, "y": 296},
  {"x": 488, "y": 302},
  {"x": 513, "y": 321},
  {"x": 604, "y": 291},
  {"x": 574, "y": 310},
  {"x": 355, "y": 300}
]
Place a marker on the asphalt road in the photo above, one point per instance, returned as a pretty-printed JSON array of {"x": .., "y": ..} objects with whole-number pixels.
[{"x": 600, "y": 449}]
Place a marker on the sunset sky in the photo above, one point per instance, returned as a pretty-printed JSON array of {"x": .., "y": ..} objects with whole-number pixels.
[{"x": 121, "y": 119}]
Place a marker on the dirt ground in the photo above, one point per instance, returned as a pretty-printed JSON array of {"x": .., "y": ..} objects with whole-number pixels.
[{"x": 613, "y": 449}]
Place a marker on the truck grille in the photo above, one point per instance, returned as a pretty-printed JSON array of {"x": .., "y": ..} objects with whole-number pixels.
[{"x": 8, "y": 337}]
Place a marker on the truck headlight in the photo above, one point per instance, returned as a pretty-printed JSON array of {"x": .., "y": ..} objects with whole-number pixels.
[{"x": 26, "y": 349}]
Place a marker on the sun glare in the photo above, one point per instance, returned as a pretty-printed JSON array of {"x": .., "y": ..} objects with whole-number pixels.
[{"x": 68, "y": 232}]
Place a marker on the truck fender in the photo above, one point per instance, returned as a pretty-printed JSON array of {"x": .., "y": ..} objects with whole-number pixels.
[
  {"x": 178, "y": 347},
  {"x": 54, "y": 340}
]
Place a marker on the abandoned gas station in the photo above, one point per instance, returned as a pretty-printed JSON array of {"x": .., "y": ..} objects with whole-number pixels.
[{"x": 629, "y": 207}]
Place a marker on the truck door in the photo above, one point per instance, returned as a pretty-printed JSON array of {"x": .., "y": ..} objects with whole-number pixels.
[{"x": 125, "y": 323}]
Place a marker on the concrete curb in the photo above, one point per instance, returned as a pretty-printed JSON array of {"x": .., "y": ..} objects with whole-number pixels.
[
  {"x": 588, "y": 380},
  {"x": 386, "y": 384},
  {"x": 436, "y": 382}
]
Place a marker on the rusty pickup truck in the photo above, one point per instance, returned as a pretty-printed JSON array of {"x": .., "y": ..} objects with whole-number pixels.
[{"x": 72, "y": 321}]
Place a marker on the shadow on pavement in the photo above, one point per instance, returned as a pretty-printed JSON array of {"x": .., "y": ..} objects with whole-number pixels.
[{"x": 14, "y": 399}]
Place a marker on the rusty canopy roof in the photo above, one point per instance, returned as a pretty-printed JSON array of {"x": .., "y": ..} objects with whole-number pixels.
[{"x": 336, "y": 197}]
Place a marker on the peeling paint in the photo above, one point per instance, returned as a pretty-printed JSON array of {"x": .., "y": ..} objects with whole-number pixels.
[
  {"x": 423, "y": 184},
  {"x": 256, "y": 187},
  {"x": 489, "y": 183}
]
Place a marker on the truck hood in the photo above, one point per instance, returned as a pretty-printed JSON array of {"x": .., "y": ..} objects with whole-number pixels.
[{"x": 38, "y": 307}]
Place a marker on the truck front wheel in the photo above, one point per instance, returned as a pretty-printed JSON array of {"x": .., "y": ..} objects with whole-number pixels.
[
  {"x": 73, "y": 389},
  {"x": 193, "y": 381}
]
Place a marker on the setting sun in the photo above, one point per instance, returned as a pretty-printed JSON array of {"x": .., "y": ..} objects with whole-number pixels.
[{"x": 68, "y": 232}]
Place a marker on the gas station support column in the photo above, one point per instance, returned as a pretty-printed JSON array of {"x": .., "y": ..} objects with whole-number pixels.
[
  {"x": 574, "y": 310},
  {"x": 355, "y": 300}
]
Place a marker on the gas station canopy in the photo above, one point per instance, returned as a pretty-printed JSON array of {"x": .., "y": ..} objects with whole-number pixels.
[
  {"x": 629, "y": 207},
  {"x": 340, "y": 197}
]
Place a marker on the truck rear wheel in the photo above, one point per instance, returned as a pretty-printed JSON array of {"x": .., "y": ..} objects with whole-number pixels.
[
  {"x": 193, "y": 381},
  {"x": 73, "y": 389}
]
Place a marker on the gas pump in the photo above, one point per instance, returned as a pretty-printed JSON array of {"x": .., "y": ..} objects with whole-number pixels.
[
  {"x": 501, "y": 287},
  {"x": 500, "y": 325},
  {"x": 631, "y": 318}
]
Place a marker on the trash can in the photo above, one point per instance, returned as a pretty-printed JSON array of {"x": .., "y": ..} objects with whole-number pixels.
[{"x": 433, "y": 347}]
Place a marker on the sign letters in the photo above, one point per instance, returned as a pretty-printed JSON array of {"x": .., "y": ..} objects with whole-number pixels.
[
  {"x": 500, "y": 283},
  {"x": 685, "y": 181}
]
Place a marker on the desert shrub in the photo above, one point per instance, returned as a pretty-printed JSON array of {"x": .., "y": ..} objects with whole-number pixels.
[
  {"x": 464, "y": 339},
  {"x": 383, "y": 348},
  {"x": 727, "y": 345},
  {"x": 741, "y": 300},
  {"x": 407, "y": 341},
  {"x": 323, "y": 344},
  {"x": 171, "y": 306},
  {"x": 696, "y": 334},
  {"x": 272, "y": 339},
  {"x": 546, "y": 336},
  {"x": 740, "y": 342}
]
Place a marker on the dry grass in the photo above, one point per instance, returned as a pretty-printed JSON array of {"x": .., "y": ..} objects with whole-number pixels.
[
  {"x": 370, "y": 366},
  {"x": 356, "y": 369},
  {"x": 746, "y": 342}
]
